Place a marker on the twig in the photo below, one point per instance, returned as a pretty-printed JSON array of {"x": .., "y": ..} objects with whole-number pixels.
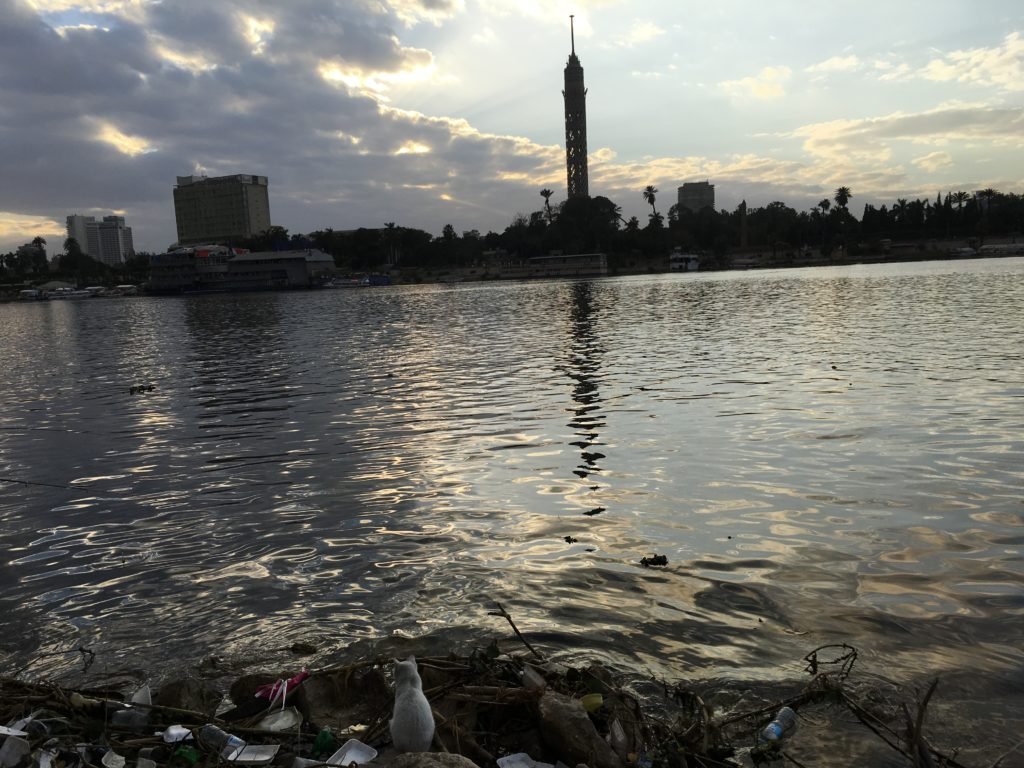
[
  {"x": 1007, "y": 753},
  {"x": 504, "y": 614},
  {"x": 793, "y": 760}
]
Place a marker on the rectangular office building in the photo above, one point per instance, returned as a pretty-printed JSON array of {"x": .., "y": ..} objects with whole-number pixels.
[
  {"x": 695, "y": 195},
  {"x": 222, "y": 209}
]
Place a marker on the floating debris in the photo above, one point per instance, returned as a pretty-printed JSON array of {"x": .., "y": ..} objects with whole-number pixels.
[{"x": 656, "y": 560}]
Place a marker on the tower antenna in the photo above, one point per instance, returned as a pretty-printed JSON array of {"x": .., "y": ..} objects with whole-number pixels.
[{"x": 572, "y": 33}]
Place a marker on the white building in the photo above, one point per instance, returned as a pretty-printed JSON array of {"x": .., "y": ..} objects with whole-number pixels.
[
  {"x": 108, "y": 241},
  {"x": 78, "y": 229}
]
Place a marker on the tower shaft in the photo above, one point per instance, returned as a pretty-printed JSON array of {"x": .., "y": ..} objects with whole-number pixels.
[{"x": 575, "y": 95}]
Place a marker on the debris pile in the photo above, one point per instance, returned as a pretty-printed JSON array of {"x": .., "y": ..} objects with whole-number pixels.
[{"x": 489, "y": 709}]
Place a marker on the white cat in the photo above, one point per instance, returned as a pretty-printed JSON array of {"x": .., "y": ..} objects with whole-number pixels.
[{"x": 412, "y": 724}]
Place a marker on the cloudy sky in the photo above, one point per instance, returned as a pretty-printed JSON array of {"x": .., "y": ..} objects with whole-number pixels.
[{"x": 430, "y": 112}]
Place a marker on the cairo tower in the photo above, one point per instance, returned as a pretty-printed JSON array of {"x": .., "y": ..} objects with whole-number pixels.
[{"x": 575, "y": 95}]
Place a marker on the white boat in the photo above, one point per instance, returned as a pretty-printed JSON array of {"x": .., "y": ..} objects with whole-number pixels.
[{"x": 683, "y": 262}]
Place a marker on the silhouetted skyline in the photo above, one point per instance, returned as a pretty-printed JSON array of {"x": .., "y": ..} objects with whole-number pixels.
[{"x": 448, "y": 112}]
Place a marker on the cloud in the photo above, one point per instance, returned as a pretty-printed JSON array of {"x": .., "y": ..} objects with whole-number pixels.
[
  {"x": 641, "y": 32},
  {"x": 412, "y": 12},
  {"x": 767, "y": 84},
  {"x": 892, "y": 71},
  {"x": 109, "y": 133},
  {"x": 836, "y": 64},
  {"x": 103, "y": 104},
  {"x": 934, "y": 161},
  {"x": 870, "y": 140},
  {"x": 1000, "y": 67},
  {"x": 16, "y": 229}
]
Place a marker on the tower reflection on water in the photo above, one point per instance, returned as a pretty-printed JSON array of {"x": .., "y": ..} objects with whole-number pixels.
[{"x": 584, "y": 368}]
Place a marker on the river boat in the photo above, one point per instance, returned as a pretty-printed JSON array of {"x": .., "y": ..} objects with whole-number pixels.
[{"x": 683, "y": 262}]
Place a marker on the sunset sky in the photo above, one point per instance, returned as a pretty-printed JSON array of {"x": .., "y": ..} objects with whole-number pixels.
[{"x": 434, "y": 112}]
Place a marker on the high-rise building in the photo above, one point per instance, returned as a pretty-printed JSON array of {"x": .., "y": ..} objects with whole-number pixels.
[
  {"x": 575, "y": 95},
  {"x": 115, "y": 241},
  {"x": 220, "y": 210},
  {"x": 108, "y": 241},
  {"x": 78, "y": 229},
  {"x": 696, "y": 195}
]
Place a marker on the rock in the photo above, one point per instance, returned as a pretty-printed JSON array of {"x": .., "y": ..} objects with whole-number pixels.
[
  {"x": 571, "y": 734},
  {"x": 192, "y": 695},
  {"x": 431, "y": 760},
  {"x": 340, "y": 697}
]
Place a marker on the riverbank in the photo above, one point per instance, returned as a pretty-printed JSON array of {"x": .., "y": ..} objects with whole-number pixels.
[{"x": 497, "y": 707}]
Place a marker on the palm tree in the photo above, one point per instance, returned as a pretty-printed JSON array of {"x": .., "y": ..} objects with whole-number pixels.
[
  {"x": 842, "y": 197},
  {"x": 649, "y": 192},
  {"x": 825, "y": 205},
  {"x": 901, "y": 209},
  {"x": 960, "y": 198},
  {"x": 987, "y": 194},
  {"x": 546, "y": 194}
]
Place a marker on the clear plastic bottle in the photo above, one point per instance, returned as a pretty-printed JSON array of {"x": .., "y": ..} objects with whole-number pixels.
[
  {"x": 779, "y": 729},
  {"x": 216, "y": 740}
]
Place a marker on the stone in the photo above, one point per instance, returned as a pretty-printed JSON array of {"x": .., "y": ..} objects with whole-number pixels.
[
  {"x": 431, "y": 760},
  {"x": 570, "y": 733},
  {"x": 192, "y": 695}
]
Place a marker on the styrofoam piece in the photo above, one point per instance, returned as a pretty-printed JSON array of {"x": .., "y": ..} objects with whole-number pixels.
[
  {"x": 352, "y": 751},
  {"x": 281, "y": 720},
  {"x": 520, "y": 760},
  {"x": 113, "y": 760},
  {"x": 5, "y": 731},
  {"x": 254, "y": 754},
  {"x": 176, "y": 733}
]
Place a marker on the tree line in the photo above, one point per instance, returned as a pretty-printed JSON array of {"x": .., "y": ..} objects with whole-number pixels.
[
  {"x": 596, "y": 224},
  {"x": 29, "y": 263},
  {"x": 591, "y": 224}
]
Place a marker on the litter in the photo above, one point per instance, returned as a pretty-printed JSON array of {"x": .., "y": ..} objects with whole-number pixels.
[
  {"x": 281, "y": 720},
  {"x": 254, "y": 754},
  {"x": 352, "y": 751}
]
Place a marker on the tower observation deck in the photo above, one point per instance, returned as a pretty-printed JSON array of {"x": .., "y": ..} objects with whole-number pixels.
[{"x": 575, "y": 95}]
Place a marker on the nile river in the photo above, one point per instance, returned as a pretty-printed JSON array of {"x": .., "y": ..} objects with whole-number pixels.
[{"x": 822, "y": 455}]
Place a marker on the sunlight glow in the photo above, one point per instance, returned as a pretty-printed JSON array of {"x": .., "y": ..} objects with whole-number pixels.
[
  {"x": 412, "y": 148},
  {"x": 257, "y": 32},
  {"x": 194, "y": 63},
  {"x": 376, "y": 83},
  {"x": 126, "y": 144}
]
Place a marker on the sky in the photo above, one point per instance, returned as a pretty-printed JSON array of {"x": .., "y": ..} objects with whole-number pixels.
[{"x": 434, "y": 112}]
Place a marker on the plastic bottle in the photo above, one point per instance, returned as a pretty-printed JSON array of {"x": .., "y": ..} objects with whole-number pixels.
[
  {"x": 778, "y": 729},
  {"x": 214, "y": 739}
]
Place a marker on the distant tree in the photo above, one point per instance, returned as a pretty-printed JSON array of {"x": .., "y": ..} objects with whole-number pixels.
[
  {"x": 650, "y": 192},
  {"x": 546, "y": 194},
  {"x": 842, "y": 197},
  {"x": 960, "y": 197},
  {"x": 988, "y": 195},
  {"x": 825, "y": 205},
  {"x": 448, "y": 233}
]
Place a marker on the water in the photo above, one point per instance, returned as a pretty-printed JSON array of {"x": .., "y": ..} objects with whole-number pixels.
[{"x": 822, "y": 455}]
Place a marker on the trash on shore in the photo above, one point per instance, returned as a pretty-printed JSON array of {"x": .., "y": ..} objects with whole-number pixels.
[{"x": 491, "y": 709}]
